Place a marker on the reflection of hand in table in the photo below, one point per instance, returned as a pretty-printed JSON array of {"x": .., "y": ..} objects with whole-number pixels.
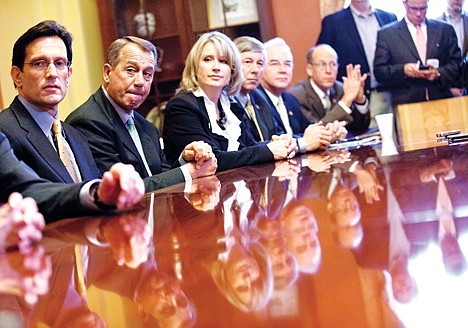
[
  {"x": 320, "y": 162},
  {"x": 204, "y": 195},
  {"x": 128, "y": 237},
  {"x": 25, "y": 274},
  {"x": 443, "y": 167},
  {"x": 286, "y": 170},
  {"x": 20, "y": 223},
  {"x": 368, "y": 183}
]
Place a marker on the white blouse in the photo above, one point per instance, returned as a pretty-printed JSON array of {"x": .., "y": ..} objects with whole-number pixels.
[{"x": 232, "y": 125}]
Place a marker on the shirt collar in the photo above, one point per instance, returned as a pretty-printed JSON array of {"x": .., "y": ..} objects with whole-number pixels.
[
  {"x": 223, "y": 98},
  {"x": 274, "y": 99},
  {"x": 448, "y": 15},
  {"x": 43, "y": 119},
  {"x": 423, "y": 24},
  {"x": 357, "y": 13},
  {"x": 124, "y": 116},
  {"x": 317, "y": 90}
]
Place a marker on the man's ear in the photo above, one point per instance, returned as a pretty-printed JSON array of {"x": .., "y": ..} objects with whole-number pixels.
[
  {"x": 309, "y": 70},
  {"x": 15, "y": 74},
  {"x": 106, "y": 71}
]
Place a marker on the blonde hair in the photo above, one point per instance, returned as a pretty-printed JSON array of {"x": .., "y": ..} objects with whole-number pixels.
[
  {"x": 260, "y": 291},
  {"x": 231, "y": 53}
]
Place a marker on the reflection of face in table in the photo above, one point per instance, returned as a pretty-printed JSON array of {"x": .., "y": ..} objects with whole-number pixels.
[
  {"x": 301, "y": 235},
  {"x": 161, "y": 300}
]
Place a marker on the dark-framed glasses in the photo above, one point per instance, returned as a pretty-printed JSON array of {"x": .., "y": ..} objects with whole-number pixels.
[{"x": 42, "y": 64}]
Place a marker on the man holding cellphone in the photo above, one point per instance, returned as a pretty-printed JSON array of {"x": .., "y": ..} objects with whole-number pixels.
[{"x": 417, "y": 58}]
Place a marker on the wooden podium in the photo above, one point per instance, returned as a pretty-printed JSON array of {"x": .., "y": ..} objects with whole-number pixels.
[{"x": 418, "y": 123}]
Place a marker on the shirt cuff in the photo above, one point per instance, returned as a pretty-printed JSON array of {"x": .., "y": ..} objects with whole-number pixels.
[
  {"x": 182, "y": 160},
  {"x": 301, "y": 144},
  {"x": 85, "y": 196},
  {"x": 353, "y": 166},
  {"x": 186, "y": 173},
  {"x": 345, "y": 108},
  {"x": 363, "y": 109}
]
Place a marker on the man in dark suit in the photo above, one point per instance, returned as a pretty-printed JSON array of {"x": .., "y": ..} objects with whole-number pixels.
[
  {"x": 352, "y": 32},
  {"x": 120, "y": 188},
  {"x": 284, "y": 108},
  {"x": 397, "y": 58},
  {"x": 104, "y": 119},
  {"x": 41, "y": 73},
  {"x": 260, "y": 123},
  {"x": 325, "y": 99},
  {"x": 455, "y": 16}
]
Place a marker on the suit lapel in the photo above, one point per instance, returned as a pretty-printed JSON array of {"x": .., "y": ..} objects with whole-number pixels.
[
  {"x": 39, "y": 141},
  {"x": 406, "y": 37},
  {"x": 76, "y": 147},
  {"x": 119, "y": 126},
  {"x": 432, "y": 38},
  {"x": 465, "y": 30},
  {"x": 150, "y": 149},
  {"x": 314, "y": 99},
  {"x": 352, "y": 30},
  {"x": 274, "y": 112}
]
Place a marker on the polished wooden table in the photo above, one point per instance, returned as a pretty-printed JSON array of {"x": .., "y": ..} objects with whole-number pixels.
[{"x": 345, "y": 238}]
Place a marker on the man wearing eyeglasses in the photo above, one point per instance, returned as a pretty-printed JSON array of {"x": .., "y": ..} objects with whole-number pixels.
[
  {"x": 417, "y": 58},
  {"x": 284, "y": 108},
  {"x": 41, "y": 71},
  {"x": 325, "y": 99},
  {"x": 352, "y": 33}
]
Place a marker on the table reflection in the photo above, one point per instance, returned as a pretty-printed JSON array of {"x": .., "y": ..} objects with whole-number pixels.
[{"x": 292, "y": 243}]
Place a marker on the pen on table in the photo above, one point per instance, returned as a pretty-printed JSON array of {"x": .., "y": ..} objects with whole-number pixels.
[{"x": 445, "y": 134}]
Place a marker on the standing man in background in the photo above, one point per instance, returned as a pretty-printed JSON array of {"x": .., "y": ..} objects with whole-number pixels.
[
  {"x": 402, "y": 51},
  {"x": 352, "y": 32},
  {"x": 455, "y": 16}
]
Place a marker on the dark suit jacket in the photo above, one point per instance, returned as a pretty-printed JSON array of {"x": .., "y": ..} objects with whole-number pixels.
[
  {"x": 55, "y": 200},
  {"x": 32, "y": 147},
  {"x": 313, "y": 109},
  {"x": 340, "y": 32},
  {"x": 111, "y": 142},
  {"x": 264, "y": 118},
  {"x": 395, "y": 48},
  {"x": 297, "y": 119},
  {"x": 186, "y": 120}
]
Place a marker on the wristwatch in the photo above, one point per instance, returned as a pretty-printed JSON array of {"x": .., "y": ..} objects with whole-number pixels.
[{"x": 93, "y": 191}]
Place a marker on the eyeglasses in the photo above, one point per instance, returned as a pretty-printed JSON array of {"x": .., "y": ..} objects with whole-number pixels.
[
  {"x": 416, "y": 9},
  {"x": 322, "y": 66},
  {"x": 42, "y": 65}
]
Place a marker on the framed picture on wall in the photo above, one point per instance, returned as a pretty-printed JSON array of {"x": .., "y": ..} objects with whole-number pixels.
[{"x": 223, "y": 13}]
